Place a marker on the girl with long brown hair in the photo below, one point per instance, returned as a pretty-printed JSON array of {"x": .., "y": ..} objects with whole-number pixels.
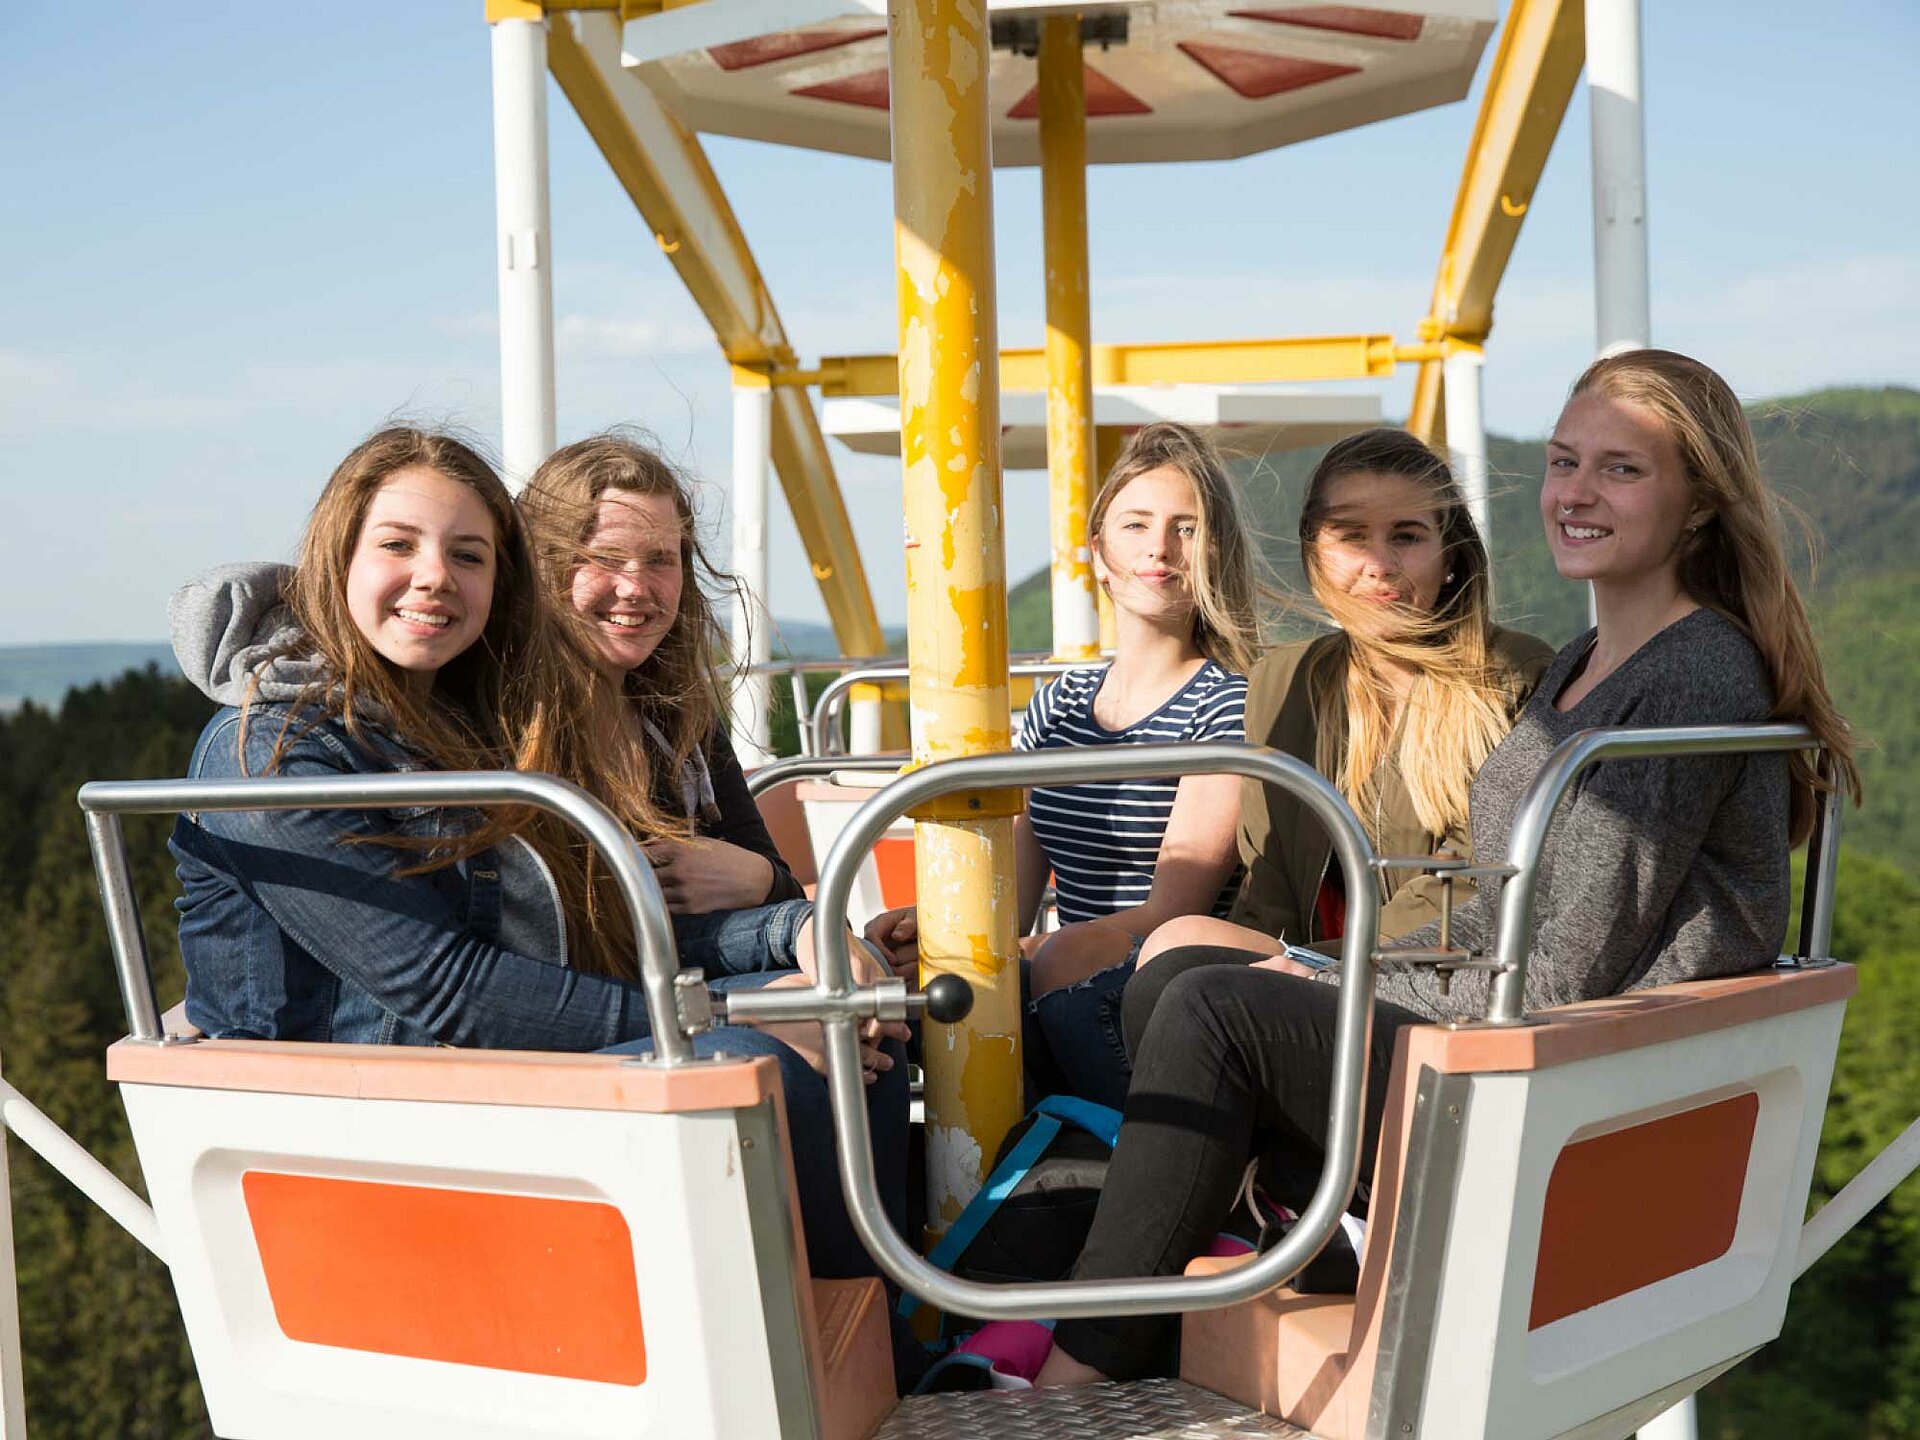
[
  {"x": 1655, "y": 871},
  {"x": 413, "y": 634}
]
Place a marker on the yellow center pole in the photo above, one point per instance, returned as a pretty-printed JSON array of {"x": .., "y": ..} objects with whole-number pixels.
[
  {"x": 1108, "y": 441},
  {"x": 1070, "y": 452},
  {"x": 956, "y": 573}
]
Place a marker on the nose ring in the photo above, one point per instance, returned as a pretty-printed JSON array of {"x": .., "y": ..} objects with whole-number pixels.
[{"x": 1566, "y": 509}]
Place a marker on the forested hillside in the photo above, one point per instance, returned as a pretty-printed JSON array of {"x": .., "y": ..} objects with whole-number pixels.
[{"x": 105, "y": 1355}]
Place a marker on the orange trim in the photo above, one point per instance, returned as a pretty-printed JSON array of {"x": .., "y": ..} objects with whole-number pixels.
[
  {"x": 461, "y": 1077},
  {"x": 1630, "y": 1022},
  {"x": 1634, "y": 1206},
  {"x": 507, "y": 1282},
  {"x": 893, "y": 861}
]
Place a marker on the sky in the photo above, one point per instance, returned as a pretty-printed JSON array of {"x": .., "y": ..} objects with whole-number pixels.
[{"x": 239, "y": 237}]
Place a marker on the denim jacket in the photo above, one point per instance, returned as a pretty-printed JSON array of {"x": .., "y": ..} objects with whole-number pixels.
[{"x": 294, "y": 927}]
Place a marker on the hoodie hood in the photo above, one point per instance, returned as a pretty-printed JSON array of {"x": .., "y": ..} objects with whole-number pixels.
[{"x": 229, "y": 624}]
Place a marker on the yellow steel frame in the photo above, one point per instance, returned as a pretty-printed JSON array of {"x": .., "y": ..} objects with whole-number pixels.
[
  {"x": 1534, "y": 71},
  {"x": 665, "y": 172},
  {"x": 956, "y": 571},
  {"x": 1069, "y": 359}
]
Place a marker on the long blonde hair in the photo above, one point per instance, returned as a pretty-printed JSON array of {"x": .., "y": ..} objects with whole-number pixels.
[
  {"x": 1221, "y": 574},
  {"x": 1735, "y": 561},
  {"x": 1459, "y": 705},
  {"x": 525, "y": 695}
]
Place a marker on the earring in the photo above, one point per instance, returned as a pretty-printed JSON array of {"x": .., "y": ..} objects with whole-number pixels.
[{"x": 1449, "y": 579}]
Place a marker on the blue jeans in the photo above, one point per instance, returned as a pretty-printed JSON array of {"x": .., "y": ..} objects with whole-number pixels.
[
  {"x": 1075, "y": 1043},
  {"x": 742, "y": 942},
  {"x": 834, "y": 1251}
]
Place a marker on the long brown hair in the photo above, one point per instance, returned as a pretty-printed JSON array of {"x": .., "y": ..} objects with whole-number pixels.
[
  {"x": 677, "y": 688},
  {"x": 524, "y": 695},
  {"x": 1459, "y": 706},
  {"x": 1735, "y": 562},
  {"x": 1221, "y": 573}
]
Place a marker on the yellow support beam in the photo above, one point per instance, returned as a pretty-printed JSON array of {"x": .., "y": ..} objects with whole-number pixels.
[
  {"x": 1070, "y": 451},
  {"x": 665, "y": 172},
  {"x": 956, "y": 572},
  {"x": 1203, "y": 362},
  {"x": 1531, "y": 81}
]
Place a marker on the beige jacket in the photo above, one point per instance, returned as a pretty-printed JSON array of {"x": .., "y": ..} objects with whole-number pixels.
[{"x": 1284, "y": 849}]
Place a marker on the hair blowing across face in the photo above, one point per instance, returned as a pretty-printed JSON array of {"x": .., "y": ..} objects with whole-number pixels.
[
  {"x": 1736, "y": 561},
  {"x": 1456, "y": 711}
]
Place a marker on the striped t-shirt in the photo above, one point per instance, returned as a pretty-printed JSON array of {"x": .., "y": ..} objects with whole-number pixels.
[{"x": 1103, "y": 839}]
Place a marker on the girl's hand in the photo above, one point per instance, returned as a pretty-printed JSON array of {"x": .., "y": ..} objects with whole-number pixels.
[
  {"x": 898, "y": 933},
  {"x": 699, "y": 876}
]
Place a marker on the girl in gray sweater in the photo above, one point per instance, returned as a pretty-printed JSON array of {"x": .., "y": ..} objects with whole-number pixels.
[{"x": 1654, "y": 871}]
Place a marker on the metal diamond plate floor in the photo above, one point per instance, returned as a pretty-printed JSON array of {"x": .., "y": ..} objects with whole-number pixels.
[{"x": 1143, "y": 1410}]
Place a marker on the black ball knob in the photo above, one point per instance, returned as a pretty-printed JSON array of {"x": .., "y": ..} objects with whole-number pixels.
[{"x": 949, "y": 998}]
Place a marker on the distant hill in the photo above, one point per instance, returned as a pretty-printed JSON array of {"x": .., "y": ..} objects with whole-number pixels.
[
  {"x": 45, "y": 673},
  {"x": 1847, "y": 460}
]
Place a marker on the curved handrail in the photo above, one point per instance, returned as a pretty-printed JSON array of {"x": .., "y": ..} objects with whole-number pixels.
[
  {"x": 824, "y": 723},
  {"x": 796, "y": 768},
  {"x": 105, "y": 801},
  {"x": 1507, "y": 1004},
  {"x": 829, "y": 1002}
]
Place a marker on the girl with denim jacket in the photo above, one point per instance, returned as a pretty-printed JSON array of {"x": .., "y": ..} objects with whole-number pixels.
[{"x": 411, "y": 634}]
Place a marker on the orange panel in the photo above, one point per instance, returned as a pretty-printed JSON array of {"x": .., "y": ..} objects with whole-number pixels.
[
  {"x": 1255, "y": 74},
  {"x": 893, "y": 858},
  {"x": 508, "y": 1282},
  {"x": 1104, "y": 97},
  {"x": 869, "y": 89},
  {"x": 788, "y": 45},
  {"x": 1637, "y": 1205},
  {"x": 1345, "y": 19}
]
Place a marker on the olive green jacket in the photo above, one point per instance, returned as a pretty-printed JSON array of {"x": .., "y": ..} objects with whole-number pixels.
[{"x": 1285, "y": 850}]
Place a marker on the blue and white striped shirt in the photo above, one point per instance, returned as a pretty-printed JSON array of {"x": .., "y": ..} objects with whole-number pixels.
[{"x": 1103, "y": 840}]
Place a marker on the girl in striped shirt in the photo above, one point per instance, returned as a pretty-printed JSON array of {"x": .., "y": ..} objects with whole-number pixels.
[{"x": 1171, "y": 550}]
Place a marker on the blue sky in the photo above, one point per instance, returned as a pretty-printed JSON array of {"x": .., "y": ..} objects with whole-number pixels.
[{"x": 240, "y": 236}]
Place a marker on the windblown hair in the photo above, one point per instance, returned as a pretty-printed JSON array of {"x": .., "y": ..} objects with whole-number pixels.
[
  {"x": 677, "y": 689},
  {"x": 1735, "y": 562},
  {"x": 524, "y": 695},
  {"x": 1459, "y": 706},
  {"x": 1222, "y": 571}
]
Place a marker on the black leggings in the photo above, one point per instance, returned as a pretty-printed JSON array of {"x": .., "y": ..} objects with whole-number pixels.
[{"x": 1235, "y": 1063}]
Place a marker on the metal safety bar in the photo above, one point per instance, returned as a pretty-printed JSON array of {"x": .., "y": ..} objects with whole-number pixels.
[
  {"x": 105, "y": 801},
  {"x": 823, "y": 726},
  {"x": 1528, "y": 838},
  {"x": 836, "y": 1004},
  {"x": 807, "y": 767}
]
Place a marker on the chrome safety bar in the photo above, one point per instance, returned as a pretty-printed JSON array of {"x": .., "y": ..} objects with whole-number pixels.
[
  {"x": 105, "y": 801},
  {"x": 823, "y": 726},
  {"x": 808, "y": 767},
  {"x": 835, "y": 989},
  {"x": 1507, "y": 1004}
]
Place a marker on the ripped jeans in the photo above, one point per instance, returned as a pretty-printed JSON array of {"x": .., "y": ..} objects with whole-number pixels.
[{"x": 1073, "y": 1037}]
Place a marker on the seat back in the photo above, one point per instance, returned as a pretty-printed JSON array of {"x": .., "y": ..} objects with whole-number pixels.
[
  {"x": 1573, "y": 1222},
  {"x": 381, "y": 1241},
  {"x": 886, "y": 877}
]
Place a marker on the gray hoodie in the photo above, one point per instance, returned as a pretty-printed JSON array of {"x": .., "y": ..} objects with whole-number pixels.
[{"x": 229, "y": 623}]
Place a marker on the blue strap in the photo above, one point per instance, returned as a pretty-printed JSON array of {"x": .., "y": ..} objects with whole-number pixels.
[{"x": 1100, "y": 1121}]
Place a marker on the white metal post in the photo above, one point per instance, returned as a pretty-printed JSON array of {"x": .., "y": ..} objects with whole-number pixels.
[
  {"x": 526, "y": 259},
  {"x": 752, "y": 627},
  {"x": 13, "y": 1400},
  {"x": 1678, "y": 1423},
  {"x": 1621, "y": 307},
  {"x": 1467, "y": 430}
]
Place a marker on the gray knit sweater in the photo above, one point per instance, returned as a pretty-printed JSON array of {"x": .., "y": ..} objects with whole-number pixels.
[{"x": 1654, "y": 870}]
